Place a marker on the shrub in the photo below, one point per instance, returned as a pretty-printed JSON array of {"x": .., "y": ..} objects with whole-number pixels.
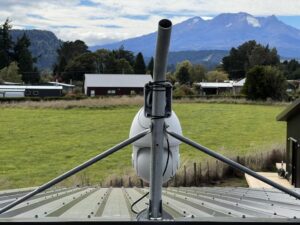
[{"x": 265, "y": 82}]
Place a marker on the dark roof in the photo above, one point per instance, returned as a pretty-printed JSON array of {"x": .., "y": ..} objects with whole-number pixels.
[{"x": 292, "y": 110}]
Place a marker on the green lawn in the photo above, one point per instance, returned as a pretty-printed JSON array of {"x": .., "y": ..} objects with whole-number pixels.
[{"x": 39, "y": 144}]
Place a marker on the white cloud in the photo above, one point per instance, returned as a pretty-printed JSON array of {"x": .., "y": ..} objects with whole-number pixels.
[{"x": 94, "y": 23}]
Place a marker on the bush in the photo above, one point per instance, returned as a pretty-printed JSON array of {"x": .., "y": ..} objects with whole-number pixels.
[
  {"x": 265, "y": 82},
  {"x": 183, "y": 90}
]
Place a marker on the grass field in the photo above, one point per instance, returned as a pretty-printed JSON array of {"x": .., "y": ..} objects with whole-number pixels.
[{"x": 39, "y": 144}]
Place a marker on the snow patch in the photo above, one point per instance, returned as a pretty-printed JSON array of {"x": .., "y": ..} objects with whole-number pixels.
[
  {"x": 228, "y": 25},
  {"x": 253, "y": 21},
  {"x": 208, "y": 58},
  {"x": 195, "y": 20}
]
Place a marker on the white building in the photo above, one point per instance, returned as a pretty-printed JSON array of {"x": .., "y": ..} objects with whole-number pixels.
[{"x": 215, "y": 88}]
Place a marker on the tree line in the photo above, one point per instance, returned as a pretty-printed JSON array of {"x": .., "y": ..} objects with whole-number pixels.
[
  {"x": 16, "y": 61},
  {"x": 74, "y": 60},
  {"x": 266, "y": 75}
]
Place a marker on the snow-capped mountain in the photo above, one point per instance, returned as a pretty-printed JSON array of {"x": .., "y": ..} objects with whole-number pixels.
[{"x": 222, "y": 33}]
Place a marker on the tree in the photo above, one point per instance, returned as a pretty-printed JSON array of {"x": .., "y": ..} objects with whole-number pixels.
[
  {"x": 183, "y": 75},
  {"x": 11, "y": 73},
  {"x": 183, "y": 90},
  {"x": 150, "y": 66},
  {"x": 198, "y": 73},
  {"x": 123, "y": 66},
  {"x": 101, "y": 58},
  {"x": 183, "y": 72},
  {"x": 295, "y": 74},
  {"x": 121, "y": 53},
  {"x": 113, "y": 62},
  {"x": 291, "y": 69},
  {"x": 139, "y": 64},
  {"x": 82, "y": 64},
  {"x": 216, "y": 76},
  {"x": 246, "y": 56},
  {"x": 261, "y": 55},
  {"x": 68, "y": 51},
  {"x": 263, "y": 82},
  {"x": 26, "y": 62},
  {"x": 6, "y": 44},
  {"x": 171, "y": 77}
]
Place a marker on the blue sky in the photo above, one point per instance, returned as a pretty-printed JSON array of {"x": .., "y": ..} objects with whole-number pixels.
[
  {"x": 291, "y": 20},
  {"x": 105, "y": 21}
]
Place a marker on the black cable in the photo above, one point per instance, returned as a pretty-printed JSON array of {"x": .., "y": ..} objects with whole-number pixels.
[
  {"x": 133, "y": 204},
  {"x": 166, "y": 167}
]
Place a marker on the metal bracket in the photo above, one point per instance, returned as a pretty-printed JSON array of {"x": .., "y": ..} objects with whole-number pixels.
[{"x": 151, "y": 87}]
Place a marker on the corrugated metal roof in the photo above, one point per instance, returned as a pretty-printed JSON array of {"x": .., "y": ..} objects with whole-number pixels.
[
  {"x": 239, "y": 83},
  {"x": 12, "y": 90},
  {"x": 193, "y": 203},
  {"x": 215, "y": 85},
  {"x": 116, "y": 80},
  {"x": 12, "y": 87},
  {"x": 61, "y": 84},
  {"x": 229, "y": 84}
]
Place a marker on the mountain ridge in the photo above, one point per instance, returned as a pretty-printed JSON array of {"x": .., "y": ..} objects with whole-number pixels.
[
  {"x": 44, "y": 45},
  {"x": 223, "y": 32}
]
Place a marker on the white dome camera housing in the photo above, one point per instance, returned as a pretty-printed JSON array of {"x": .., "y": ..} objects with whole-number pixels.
[{"x": 141, "y": 155}]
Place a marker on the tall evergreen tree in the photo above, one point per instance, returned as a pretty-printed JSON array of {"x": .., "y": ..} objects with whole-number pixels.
[
  {"x": 25, "y": 60},
  {"x": 139, "y": 65},
  {"x": 68, "y": 51},
  {"x": 150, "y": 66},
  {"x": 6, "y": 44}
]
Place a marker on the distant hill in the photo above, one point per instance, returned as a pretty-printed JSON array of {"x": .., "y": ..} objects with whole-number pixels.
[
  {"x": 207, "y": 58},
  {"x": 43, "y": 46},
  {"x": 222, "y": 32}
]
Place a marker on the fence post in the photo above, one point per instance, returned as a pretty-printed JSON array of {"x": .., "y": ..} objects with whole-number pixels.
[
  {"x": 184, "y": 178},
  {"x": 129, "y": 182},
  {"x": 200, "y": 173},
  {"x": 208, "y": 177},
  {"x": 142, "y": 183},
  {"x": 217, "y": 170},
  {"x": 195, "y": 174}
]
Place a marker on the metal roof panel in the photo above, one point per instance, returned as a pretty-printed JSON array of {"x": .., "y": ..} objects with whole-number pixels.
[
  {"x": 116, "y": 80},
  {"x": 192, "y": 203}
]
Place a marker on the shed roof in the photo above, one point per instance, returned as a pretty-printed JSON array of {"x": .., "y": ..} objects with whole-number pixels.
[
  {"x": 239, "y": 83},
  {"x": 116, "y": 80},
  {"x": 215, "y": 84},
  {"x": 61, "y": 84},
  {"x": 292, "y": 110},
  {"x": 12, "y": 87},
  {"x": 205, "y": 203}
]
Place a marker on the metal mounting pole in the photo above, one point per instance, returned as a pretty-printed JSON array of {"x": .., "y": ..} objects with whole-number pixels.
[
  {"x": 76, "y": 169},
  {"x": 233, "y": 164},
  {"x": 158, "y": 113}
]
